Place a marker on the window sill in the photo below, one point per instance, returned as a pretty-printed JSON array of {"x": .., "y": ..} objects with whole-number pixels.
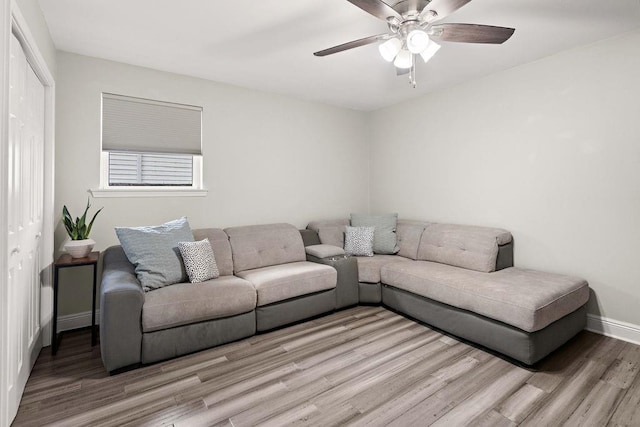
[{"x": 147, "y": 192}]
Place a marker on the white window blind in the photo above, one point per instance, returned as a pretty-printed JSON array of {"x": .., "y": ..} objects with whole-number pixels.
[
  {"x": 149, "y": 169},
  {"x": 148, "y": 126},
  {"x": 149, "y": 143}
]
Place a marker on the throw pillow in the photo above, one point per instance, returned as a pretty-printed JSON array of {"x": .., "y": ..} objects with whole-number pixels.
[
  {"x": 153, "y": 250},
  {"x": 358, "y": 241},
  {"x": 199, "y": 260},
  {"x": 385, "y": 239}
]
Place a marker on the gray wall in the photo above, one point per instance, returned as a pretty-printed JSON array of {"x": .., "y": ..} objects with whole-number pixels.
[
  {"x": 549, "y": 150},
  {"x": 267, "y": 158}
]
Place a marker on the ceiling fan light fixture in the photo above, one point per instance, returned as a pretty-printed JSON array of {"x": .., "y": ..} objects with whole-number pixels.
[
  {"x": 389, "y": 49},
  {"x": 417, "y": 41},
  {"x": 431, "y": 50},
  {"x": 404, "y": 59}
]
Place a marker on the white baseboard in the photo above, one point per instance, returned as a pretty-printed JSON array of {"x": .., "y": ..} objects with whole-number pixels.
[
  {"x": 612, "y": 328},
  {"x": 76, "y": 321}
]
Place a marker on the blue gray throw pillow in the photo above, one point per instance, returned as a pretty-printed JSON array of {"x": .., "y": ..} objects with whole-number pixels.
[
  {"x": 154, "y": 252},
  {"x": 385, "y": 239}
]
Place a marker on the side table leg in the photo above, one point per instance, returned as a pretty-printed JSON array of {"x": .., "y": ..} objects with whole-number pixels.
[
  {"x": 93, "y": 307},
  {"x": 54, "y": 331}
]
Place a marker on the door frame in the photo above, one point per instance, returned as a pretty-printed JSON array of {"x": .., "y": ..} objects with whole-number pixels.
[{"x": 12, "y": 21}]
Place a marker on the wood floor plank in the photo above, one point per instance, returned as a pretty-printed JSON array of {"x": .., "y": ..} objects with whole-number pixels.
[
  {"x": 597, "y": 407},
  {"x": 492, "y": 419},
  {"x": 218, "y": 412},
  {"x": 130, "y": 403},
  {"x": 628, "y": 410},
  {"x": 488, "y": 397},
  {"x": 621, "y": 373},
  {"x": 568, "y": 396},
  {"x": 360, "y": 366},
  {"x": 298, "y": 414},
  {"x": 521, "y": 403},
  {"x": 401, "y": 404},
  {"x": 280, "y": 404}
]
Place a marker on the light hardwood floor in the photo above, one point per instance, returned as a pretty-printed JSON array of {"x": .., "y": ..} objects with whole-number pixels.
[{"x": 365, "y": 365}]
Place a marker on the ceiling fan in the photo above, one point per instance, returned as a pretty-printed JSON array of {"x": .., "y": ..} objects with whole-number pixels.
[{"x": 413, "y": 31}]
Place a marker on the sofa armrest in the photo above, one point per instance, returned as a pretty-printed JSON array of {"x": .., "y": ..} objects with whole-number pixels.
[
  {"x": 347, "y": 287},
  {"x": 121, "y": 301},
  {"x": 324, "y": 251}
]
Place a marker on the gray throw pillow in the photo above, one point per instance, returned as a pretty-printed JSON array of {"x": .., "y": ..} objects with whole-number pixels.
[
  {"x": 153, "y": 250},
  {"x": 358, "y": 241},
  {"x": 385, "y": 239},
  {"x": 199, "y": 260}
]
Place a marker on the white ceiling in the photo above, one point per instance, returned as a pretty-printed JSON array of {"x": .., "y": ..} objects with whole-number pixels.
[{"x": 268, "y": 45}]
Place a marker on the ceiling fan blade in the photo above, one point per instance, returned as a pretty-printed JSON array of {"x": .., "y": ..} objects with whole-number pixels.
[
  {"x": 470, "y": 33},
  {"x": 377, "y": 8},
  {"x": 442, "y": 8},
  {"x": 353, "y": 44}
]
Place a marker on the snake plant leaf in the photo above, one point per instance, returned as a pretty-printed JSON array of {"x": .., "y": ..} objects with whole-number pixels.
[
  {"x": 91, "y": 223},
  {"x": 78, "y": 229}
]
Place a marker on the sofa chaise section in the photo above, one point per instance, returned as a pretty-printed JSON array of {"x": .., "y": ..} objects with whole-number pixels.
[
  {"x": 289, "y": 288},
  {"x": 457, "y": 285}
]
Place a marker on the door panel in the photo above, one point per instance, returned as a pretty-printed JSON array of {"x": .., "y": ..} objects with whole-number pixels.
[{"x": 25, "y": 202}]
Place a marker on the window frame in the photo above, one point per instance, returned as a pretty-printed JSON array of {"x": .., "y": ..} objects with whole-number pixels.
[{"x": 195, "y": 190}]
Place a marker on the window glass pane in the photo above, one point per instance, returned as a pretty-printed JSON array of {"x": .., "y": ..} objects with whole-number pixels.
[{"x": 150, "y": 169}]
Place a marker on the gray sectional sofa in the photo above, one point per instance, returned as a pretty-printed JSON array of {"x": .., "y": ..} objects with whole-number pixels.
[{"x": 459, "y": 279}]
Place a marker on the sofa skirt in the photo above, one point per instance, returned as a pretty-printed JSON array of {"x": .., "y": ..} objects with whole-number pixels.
[
  {"x": 293, "y": 310},
  {"x": 526, "y": 347},
  {"x": 170, "y": 343}
]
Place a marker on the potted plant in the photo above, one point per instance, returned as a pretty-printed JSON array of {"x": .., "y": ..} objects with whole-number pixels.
[{"x": 80, "y": 244}]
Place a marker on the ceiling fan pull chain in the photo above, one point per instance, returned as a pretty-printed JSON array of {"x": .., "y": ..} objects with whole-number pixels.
[{"x": 412, "y": 73}]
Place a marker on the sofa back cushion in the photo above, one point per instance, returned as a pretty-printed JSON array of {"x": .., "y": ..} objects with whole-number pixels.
[
  {"x": 331, "y": 232},
  {"x": 409, "y": 233},
  {"x": 385, "y": 240},
  {"x": 257, "y": 246},
  {"x": 221, "y": 248},
  {"x": 471, "y": 247}
]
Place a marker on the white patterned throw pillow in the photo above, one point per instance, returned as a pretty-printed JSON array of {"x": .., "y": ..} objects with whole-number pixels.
[
  {"x": 358, "y": 241},
  {"x": 199, "y": 260}
]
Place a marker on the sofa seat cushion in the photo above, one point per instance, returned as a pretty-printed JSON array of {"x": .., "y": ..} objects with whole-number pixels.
[
  {"x": 281, "y": 282},
  {"x": 187, "y": 303},
  {"x": 527, "y": 299},
  {"x": 369, "y": 267}
]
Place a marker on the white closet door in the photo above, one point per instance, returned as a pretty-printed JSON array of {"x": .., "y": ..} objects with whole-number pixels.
[{"x": 25, "y": 181}]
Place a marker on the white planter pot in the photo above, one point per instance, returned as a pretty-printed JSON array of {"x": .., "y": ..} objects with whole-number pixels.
[{"x": 79, "y": 248}]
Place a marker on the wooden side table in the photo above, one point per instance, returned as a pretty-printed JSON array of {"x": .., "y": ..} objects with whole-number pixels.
[{"x": 65, "y": 261}]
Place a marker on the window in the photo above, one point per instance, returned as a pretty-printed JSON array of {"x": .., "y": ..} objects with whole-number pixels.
[
  {"x": 137, "y": 169},
  {"x": 150, "y": 148}
]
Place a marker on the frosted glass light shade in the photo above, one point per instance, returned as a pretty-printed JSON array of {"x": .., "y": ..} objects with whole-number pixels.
[
  {"x": 417, "y": 41},
  {"x": 404, "y": 59},
  {"x": 431, "y": 50},
  {"x": 390, "y": 49}
]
